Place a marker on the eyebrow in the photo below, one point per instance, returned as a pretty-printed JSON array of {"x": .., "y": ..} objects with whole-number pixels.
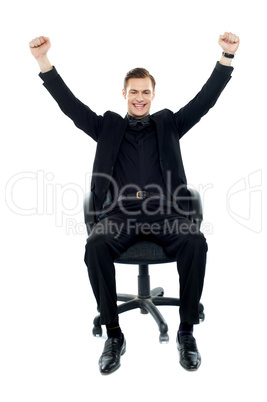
[{"x": 144, "y": 90}]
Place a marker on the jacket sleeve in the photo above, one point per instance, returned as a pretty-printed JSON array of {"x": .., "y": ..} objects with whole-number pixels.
[
  {"x": 191, "y": 113},
  {"x": 81, "y": 115}
]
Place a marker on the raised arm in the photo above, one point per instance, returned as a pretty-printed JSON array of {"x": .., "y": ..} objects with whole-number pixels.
[
  {"x": 191, "y": 113},
  {"x": 81, "y": 115}
]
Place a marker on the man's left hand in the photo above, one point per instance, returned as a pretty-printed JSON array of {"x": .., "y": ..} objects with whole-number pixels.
[{"x": 229, "y": 42}]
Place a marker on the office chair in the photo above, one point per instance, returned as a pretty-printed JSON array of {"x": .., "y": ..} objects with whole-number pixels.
[{"x": 143, "y": 254}]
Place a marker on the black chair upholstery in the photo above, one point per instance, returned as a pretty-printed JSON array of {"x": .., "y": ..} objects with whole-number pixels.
[{"x": 143, "y": 254}]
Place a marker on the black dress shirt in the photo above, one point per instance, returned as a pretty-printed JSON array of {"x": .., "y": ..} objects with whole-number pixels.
[{"x": 137, "y": 166}]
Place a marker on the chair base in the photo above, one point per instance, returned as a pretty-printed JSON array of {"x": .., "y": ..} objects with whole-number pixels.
[{"x": 147, "y": 305}]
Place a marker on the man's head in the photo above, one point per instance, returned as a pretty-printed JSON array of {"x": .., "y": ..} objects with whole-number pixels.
[{"x": 139, "y": 91}]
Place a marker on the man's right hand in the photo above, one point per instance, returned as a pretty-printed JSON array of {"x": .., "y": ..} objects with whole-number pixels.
[{"x": 39, "y": 48}]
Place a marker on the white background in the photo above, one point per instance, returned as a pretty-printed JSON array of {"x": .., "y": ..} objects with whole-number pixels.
[{"x": 47, "y": 306}]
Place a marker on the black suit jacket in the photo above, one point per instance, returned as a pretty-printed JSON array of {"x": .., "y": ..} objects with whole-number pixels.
[{"x": 108, "y": 131}]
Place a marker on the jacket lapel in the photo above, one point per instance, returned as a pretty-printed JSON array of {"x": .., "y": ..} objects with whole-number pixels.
[
  {"x": 118, "y": 136},
  {"x": 159, "y": 130}
]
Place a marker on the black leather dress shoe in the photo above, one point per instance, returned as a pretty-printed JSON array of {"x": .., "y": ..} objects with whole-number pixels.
[
  {"x": 110, "y": 358},
  {"x": 190, "y": 358}
]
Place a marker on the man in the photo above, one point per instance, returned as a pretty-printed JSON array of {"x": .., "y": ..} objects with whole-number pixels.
[{"x": 138, "y": 168}]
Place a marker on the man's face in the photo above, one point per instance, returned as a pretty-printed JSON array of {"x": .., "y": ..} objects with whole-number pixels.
[{"x": 139, "y": 95}]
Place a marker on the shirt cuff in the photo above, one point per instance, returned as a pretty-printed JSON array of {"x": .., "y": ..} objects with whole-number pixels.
[
  {"x": 224, "y": 69},
  {"x": 49, "y": 75}
]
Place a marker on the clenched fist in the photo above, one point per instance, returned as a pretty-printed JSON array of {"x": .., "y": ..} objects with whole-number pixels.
[
  {"x": 229, "y": 42},
  {"x": 40, "y": 46}
]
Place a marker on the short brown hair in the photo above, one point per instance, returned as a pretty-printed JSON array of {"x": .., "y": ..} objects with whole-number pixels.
[{"x": 138, "y": 73}]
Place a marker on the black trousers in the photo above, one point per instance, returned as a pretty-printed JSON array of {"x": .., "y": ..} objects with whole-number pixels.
[{"x": 179, "y": 237}]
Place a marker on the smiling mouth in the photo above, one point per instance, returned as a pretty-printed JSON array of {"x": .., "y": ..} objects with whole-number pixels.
[{"x": 139, "y": 106}]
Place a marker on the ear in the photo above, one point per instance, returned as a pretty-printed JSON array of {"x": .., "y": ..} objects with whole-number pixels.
[
  {"x": 153, "y": 96},
  {"x": 124, "y": 93}
]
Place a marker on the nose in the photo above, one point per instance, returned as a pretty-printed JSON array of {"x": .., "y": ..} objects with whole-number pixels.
[{"x": 140, "y": 97}]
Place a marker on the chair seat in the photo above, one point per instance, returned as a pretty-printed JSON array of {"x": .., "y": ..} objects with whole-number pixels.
[{"x": 144, "y": 252}]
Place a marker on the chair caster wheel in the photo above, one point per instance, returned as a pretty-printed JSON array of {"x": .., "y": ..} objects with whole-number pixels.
[
  {"x": 164, "y": 338},
  {"x": 97, "y": 330},
  {"x": 143, "y": 311},
  {"x": 202, "y": 316}
]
